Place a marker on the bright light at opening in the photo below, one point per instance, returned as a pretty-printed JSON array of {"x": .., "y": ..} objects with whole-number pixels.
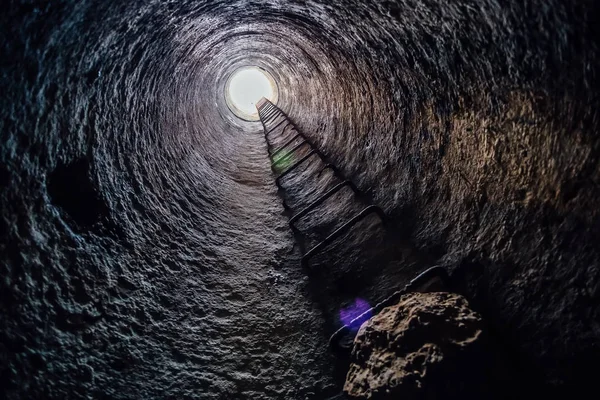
[{"x": 245, "y": 88}]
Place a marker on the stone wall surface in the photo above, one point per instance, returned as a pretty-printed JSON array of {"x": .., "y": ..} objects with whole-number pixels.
[
  {"x": 144, "y": 253},
  {"x": 429, "y": 345}
]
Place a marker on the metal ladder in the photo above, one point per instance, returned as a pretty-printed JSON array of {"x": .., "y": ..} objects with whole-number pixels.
[{"x": 272, "y": 119}]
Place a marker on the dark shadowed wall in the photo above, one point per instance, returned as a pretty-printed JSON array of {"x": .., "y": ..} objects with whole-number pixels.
[{"x": 144, "y": 249}]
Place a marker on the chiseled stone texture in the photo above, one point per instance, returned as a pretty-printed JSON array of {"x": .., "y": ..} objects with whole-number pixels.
[
  {"x": 428, "y": 344},
  {"x": 143, "y": 249}
]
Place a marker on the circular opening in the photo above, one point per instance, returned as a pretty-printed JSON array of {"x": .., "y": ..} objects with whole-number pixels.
[{"x": 245, "y": 88}]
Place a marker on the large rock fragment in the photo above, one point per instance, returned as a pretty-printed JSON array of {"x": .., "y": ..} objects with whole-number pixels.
[{"x": 427, "y": 346}]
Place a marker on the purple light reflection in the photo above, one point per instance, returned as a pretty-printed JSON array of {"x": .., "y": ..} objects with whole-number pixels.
[{"x": 348, "y": 314}]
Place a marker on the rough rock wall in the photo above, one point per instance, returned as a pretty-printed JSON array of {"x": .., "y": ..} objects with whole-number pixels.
[
  {"x": 477, "y": 129},
  {"x": 428, "y": 345},
  {"x": 141, "y": 230}
]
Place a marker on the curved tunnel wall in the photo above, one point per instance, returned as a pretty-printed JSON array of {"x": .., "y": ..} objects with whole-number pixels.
[{"x": 473, "y": 125}]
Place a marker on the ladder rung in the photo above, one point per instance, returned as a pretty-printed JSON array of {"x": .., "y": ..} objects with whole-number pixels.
[
  {"x": 265, "y": 106},
  {"x": 271, "y": 112},
  {"x": 341, "y": 230},
  {"x": 293, "y": 167},
  {"x": 287, "y": 144},
  {"x": 350, "y": 330},
  {"x": 261, "y": 106},
  {"x": 263, "y": 112},
  {"x": 293, "y": 150},
  {"x": 273, "y": 119},
  {"x": 322, "y": 199},
  {"x": 277, "y": 126},
  {"x": 267, "y": 115}
]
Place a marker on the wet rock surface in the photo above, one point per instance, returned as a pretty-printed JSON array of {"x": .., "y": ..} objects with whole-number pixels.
[
  {"x": 429, "y": 345},
  {"x": 144, "y": 250}
]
